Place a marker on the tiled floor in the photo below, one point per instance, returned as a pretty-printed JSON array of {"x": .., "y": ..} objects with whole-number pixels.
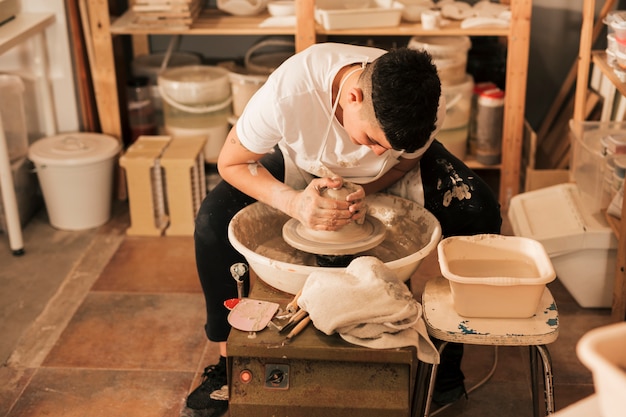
[{"x": 123, "y": 336}]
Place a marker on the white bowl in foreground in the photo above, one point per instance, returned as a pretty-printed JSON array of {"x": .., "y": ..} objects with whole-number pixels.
[
  {"x": 256, "y": 232},
  {"x": 602, "y": 351}
]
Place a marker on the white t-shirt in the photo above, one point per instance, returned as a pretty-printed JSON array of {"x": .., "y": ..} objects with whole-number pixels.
[{"x": 293, "y": 109}]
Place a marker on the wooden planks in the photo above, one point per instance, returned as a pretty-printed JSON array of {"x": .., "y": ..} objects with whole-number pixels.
[{"x": 171, "y": 13}]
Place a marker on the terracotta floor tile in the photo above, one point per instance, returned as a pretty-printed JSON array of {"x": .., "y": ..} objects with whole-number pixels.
[
  {"x": 101, "y": 393},
  {"x": 133, "y": 331},
  {"x": 156, "y": 265},
  {"x": 13, "y": 383}
]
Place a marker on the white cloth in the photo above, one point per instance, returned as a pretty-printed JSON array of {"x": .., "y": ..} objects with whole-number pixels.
[
  {"x": 293, "y": 109},
  {"x": 368, "y": 306}
]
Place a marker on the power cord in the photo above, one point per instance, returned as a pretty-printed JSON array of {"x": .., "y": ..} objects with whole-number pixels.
[{"x": 478, "y": 384}]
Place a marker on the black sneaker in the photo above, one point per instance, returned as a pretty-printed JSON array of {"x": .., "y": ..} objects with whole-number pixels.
[{"x": 213, "y": 379}]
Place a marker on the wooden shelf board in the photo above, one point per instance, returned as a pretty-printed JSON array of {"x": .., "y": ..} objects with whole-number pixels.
[
  {"x": 599, "y": 59},
  {"x": 411, "y": 29},
  {"x": 214, "y": 22},
  {"x": 209, "y": 22},
  {"x": 23, "y": 26}
]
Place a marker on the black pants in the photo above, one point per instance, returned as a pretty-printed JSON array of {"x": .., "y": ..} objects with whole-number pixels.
[{"x": 478, "y": 211}]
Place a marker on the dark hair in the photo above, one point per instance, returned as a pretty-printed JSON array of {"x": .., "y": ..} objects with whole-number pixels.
[{"x": 405, "y": 92}]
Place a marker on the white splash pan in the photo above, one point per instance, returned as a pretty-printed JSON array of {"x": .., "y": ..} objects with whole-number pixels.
[{"x": 412, "y": 233}]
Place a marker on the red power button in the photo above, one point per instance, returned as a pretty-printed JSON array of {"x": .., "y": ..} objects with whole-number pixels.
[{"x": 245, "y": 376}]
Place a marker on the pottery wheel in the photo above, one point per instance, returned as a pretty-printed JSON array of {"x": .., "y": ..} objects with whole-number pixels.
[{"x": 349, "y": 240}]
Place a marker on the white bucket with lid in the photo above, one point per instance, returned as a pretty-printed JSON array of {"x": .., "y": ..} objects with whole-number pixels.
[
  {"x": 75, "y": 172},
  {"x": 449, "y": 55},
  {"x": 260, "y": 61},
  {"x": 197, "y": 99}
]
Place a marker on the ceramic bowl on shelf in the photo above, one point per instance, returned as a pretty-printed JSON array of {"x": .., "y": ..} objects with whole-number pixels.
[
  {"x": 242, "y": 7},
  {"x": 282, "y": 8}
]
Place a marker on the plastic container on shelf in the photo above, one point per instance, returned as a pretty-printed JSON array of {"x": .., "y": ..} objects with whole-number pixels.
[
  {"x": 494, "y": 275},
  {"x": 260, "y": 61},
  {"x": 13, "y": 116},
  {"x": 479, "y": 88},
  {"x": 197, "y": 102},
  {"x": 75, "y": 173},
  {"x": 141, "y": 113},
  {"x": 332, "y": 14},
  {"x": 593, "y": 145},
  {"x": 449, "y": 54},
  {"x": 454, "y": 131},
  {"x": 489, "y": 125},
  {"x": 150, "y": 66}
]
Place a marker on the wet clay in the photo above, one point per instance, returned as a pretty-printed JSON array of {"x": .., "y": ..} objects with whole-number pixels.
[{"x": 350, "y": 239}]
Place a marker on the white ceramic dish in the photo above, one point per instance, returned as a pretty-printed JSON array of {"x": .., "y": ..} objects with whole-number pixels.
[
  {"x": 377, "y": 13},
  {"x": 282, "y": 8},
  {"x": 242, "y": 7}
]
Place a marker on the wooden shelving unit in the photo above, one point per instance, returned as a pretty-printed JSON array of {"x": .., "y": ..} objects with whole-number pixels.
[
  {"x": 585, "y": 57},
  {"x": 102, "y": 29}
]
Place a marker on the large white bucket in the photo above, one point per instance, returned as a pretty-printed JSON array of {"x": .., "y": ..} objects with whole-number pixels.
[
  {"x": 75, "y": 172},
  {"x": 197, "y": 101},
  {"x": 454, "y": 131},
  {"x": 449, "y": 55}
]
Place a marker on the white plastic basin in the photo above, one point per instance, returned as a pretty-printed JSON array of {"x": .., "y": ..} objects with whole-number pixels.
[{"x": 602, "y": 351}]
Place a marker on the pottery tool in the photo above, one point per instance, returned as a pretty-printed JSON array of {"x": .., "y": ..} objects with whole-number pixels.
[
  {"x": 298, "y": 328},
  {"x": 252, "y": 315},
  {"x": 292, "y": 307},
  {"x": 294, "y": 320}
]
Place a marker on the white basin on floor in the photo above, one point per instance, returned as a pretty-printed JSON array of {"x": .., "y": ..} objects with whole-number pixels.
[{"x": 256, "y": 232}]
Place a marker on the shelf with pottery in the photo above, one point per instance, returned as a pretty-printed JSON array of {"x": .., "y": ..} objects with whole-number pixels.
[
  {"x": 307, "y": 32},
  {"x": 517, "y": 36}
]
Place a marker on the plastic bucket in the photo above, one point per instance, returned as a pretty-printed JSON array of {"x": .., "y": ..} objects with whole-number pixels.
[
  {"x": 260, "y": 61},
  {"x": 455, "y": 129},
  {"x": 150, "y": 66},
  {"x": 243, "y": 87},
  {"x": 75, "y": 172},
  {"x": 449, "y": 55},
  {"x": 197, "y": 102}
]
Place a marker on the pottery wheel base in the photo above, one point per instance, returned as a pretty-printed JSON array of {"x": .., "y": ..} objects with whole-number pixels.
[{"x": 349, "y": 240}]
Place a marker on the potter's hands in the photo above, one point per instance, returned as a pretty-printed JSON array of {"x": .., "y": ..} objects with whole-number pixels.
[{"x": 316, "y": 208}]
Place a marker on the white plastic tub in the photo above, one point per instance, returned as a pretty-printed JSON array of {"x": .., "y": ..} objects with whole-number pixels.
[
  {"x": 494, "y": 275},
  {"x": 580, "y": 243},
  {"x": 602, "y": 351},
  {"x": 333, "y": 14},
  {"x": 75, "y": 172}
]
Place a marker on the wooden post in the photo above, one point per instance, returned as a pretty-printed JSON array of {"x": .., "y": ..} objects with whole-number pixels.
[{"x": 515, "y": 100}]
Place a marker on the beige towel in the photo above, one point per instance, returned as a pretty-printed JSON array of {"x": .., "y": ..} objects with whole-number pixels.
[{"x": 368, "y": 306}]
